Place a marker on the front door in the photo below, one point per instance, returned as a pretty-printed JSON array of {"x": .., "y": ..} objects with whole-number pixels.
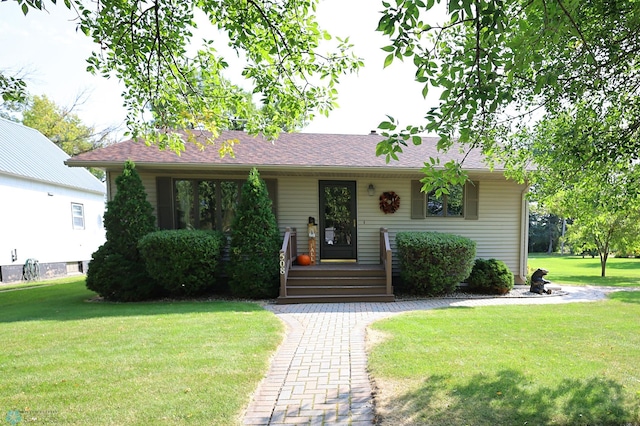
[{"x": 337, "y": 220}]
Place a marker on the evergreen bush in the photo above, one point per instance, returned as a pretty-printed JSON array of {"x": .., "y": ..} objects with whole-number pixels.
[
  {"x": 183, "y": 262},
  {"x": 116, "y": 270},
  {"x": 433, "y": 263},
  {"x": 255, "y": 243},
  {"x": 490, "y": 276}
]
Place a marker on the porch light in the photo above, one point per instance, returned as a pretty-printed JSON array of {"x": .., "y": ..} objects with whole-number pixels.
[{"x": 371, "y": 190}]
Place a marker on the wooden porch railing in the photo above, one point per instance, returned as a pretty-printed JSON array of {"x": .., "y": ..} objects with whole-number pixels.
[
  {"x": 288, "y": 253},
  {"x": 386, "y": 258}
]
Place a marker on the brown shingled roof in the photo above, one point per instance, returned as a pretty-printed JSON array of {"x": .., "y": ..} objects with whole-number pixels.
[{"x": 290, "y": 150}]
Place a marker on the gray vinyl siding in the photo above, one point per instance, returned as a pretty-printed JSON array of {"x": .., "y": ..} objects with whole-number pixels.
[
  {"x": 297, "y": 201},
  {"x": 496, "y": 231},
  {"x": 148, "y": 181}
]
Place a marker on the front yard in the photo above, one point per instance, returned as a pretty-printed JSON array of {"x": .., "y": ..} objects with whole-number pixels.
[
  {"x": 67, "y": 361},
  {"x": 574, "y": 364}
]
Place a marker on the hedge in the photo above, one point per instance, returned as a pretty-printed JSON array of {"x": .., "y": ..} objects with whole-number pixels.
[
  {"x": 433, "y": 263},
  {"x": 184, "y": 262}
]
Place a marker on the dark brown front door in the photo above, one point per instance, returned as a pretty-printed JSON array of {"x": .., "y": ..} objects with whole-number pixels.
[{"x": 337, "y": 220}]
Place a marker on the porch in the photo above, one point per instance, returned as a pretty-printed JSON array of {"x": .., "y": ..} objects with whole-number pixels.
[{"x": 334, "y": 282}]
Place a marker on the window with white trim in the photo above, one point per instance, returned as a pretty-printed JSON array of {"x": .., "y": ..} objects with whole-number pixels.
[{"x": 77, "y": 216}]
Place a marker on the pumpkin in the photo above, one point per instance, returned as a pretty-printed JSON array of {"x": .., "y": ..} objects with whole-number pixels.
[{"x": 304, "y": 260}]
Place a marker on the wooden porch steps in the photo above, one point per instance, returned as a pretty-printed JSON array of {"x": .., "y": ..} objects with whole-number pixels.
[{"x": 332, "y": 283}]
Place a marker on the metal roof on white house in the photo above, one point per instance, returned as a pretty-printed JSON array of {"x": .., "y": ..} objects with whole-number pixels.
[{"x": 27, "y": 153}]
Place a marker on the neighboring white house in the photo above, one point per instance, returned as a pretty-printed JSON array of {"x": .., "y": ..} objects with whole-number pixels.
[{"x": 49, "y": 212}]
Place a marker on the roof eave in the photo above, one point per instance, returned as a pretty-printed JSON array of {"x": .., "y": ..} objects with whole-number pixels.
[
  {"x": 268, "y": 167},
  {"x": 56, "y": 184}
]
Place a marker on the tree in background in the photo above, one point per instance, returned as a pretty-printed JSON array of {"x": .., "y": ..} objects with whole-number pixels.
[
  {"x": 61, "y": 125},
  {"x": 255, "y": 243},
  {"x": 545, "y": 230},
  {"x": 292, "y": 65},
  {"x": 605, "y": 232},
  {"x": 604, "y": 206},
  {"x": 117, "y": 270},
  {"x": 604, "y": 201}
]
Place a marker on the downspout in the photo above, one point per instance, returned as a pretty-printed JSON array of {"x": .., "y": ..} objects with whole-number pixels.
[
  {"x": 524, "y": 235},
  {"x": 108, "y": 185}
]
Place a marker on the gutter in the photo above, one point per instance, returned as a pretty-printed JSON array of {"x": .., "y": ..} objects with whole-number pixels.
[
  {"x": 524, "y": 234},
  {"x": 290, "y": 168}
]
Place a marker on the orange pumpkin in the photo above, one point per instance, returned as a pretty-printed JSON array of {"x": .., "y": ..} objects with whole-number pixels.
[{"x": 304, "y": 260}]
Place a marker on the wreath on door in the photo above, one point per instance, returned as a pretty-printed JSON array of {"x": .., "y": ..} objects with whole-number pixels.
[{"x": 389, "y": 202}]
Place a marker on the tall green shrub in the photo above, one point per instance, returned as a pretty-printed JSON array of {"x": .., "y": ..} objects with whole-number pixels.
[
  {"x": 433, "y": 263},
  {"x": 116, "y": 270},
  {"x": 255, "y": 243},
  {"x": 183, "y": 262}
]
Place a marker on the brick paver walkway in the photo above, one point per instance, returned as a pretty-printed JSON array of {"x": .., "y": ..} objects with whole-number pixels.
[{"x": 319, "y": 374}]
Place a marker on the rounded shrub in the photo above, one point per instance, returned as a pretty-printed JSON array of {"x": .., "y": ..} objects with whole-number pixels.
[
  {"x": 490, "y": 276},
  {"x": 183, "y": 262},
  {"x": 433, "y": 263},
  {"x": 117, "y": 278}
]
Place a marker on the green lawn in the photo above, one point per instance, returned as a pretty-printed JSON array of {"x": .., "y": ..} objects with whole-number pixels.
[
  {"x": 574, "y": 364},
  {"x": 33, "y": 284},
  {"x": 576, "y": 270},
  {"x": 68, "y": 361}
]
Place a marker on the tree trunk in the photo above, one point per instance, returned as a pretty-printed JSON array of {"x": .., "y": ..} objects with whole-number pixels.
[
  {"x": 603, "y": 251},
  {"x": 603, "y": 263}
]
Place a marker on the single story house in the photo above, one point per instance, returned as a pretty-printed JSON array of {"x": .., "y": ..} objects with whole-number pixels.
[
  {"x": 50, "y": 214},
  {"x": 334, "y": 181}
]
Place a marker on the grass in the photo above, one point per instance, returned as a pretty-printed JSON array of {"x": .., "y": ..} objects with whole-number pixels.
[
  {"x": 33, "y": 284},
  {"x": 574, "y": 364},
  {"x": 67, "y": 361},
  {"x": 620, "y": 272}
]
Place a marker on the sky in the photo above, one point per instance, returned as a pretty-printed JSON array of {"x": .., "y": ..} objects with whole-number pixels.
[{"x": 47, "y": 47}]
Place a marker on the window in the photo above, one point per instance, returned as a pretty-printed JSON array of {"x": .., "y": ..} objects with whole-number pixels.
[
  {"x": 77, "y": 215},
  {"x": 199, "y": 203},
  {"x": 206, "y": 204},
  {"x": 447, "y": 205},
  {"x": 461, "y": 202}
]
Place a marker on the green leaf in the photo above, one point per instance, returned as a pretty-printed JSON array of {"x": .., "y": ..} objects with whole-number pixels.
[
  {"x": 425, "y": 90},
  {"x": 386, "y": 125},
  {"x": 388, "y": 60}
]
